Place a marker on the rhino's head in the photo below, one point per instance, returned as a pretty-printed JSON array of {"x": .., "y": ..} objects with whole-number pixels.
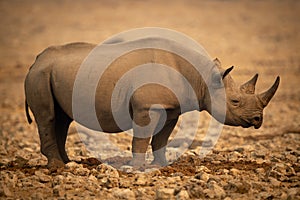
[{"x": 243, "y": 106}]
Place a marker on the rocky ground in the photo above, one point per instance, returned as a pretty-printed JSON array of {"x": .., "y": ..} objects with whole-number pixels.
[{"x": 258, "y": 37}]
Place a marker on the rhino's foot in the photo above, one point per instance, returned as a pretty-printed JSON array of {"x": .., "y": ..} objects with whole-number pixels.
[
  {"x": 160, "y": 162},
  {"x": 160, "y": 157},
  {"x": 138, "y": 160},
  {"x": 55, "y": 164}
]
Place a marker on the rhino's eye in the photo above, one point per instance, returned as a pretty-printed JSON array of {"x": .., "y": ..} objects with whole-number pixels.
[{"x": 235, "y": 102}]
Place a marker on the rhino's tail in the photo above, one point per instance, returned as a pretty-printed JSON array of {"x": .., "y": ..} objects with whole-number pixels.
[{"x": 27, "y": 113}]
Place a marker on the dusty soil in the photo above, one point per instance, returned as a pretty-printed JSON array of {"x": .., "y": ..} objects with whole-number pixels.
[{"x": 255, "y": 36}]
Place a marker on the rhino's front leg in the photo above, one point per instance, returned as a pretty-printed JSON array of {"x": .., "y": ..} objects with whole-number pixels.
[
  {"x": 159, "y": 143},
  {"x": 139, "y": 148},
  {"x": 144, "y": 126}
]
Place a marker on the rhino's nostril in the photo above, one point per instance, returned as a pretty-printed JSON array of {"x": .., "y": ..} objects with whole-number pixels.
[{"x": 256, "y": 119}]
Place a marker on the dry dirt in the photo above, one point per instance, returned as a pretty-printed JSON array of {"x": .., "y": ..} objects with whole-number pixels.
[{"x": 256, "y": 36}]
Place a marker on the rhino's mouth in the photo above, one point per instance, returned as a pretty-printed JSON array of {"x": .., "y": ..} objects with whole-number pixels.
[{"x": 246, "y": 124}]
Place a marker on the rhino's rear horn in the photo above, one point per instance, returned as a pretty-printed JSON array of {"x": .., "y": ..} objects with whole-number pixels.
[
  {"x": 249, "y": 87},
  {"x": 266, "y": 96},
  {"x": 226, "y": 72}
]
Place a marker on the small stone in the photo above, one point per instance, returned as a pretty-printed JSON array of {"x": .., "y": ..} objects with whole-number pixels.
[
  {"x": 218, "y": 192},
  {"x": 141, "y": 179},
  {"x": 241, "y": 187},
  {"x": 43, "y": 178},
  {"x": 182, "y": 195},
  {"x": 108, "y": 170},
  {"x": 292, "y": 158},
  {"x": 58, "y": 191},
  {"x": 234, "y": 172},
  {"x": 125, "y": 183},
  {"x": 126, "y": 168},
  {"x": 72, "y": 165},
  {"x": 6, "y": 191},
  {"x": 260, "y": 170},
  {"x": 164, "y": 193},
  {"x": 109, "y": 182},
  {"x": 274, "y": 182},
  {"x": 239, "y": 149},
  {"x": 37, "y": 196},
  {"x": 3, "y": 151},
  {"x": 92, "y": 178},
  {"x": 58, "y": 180},
  {"x": 202, "y": 169},
  {"x": 202, "y": 176},
  {"x": 153, "y": 172},
  {"x": 123, "y": 193},
  {"x": 81, "y": 171},
  {"x": 292, "y": 193}
]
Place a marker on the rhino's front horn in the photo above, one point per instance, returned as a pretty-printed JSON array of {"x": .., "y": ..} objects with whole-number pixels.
[
  {"x": 249, "y": 87},
  {"x": 266, "y": 96}
]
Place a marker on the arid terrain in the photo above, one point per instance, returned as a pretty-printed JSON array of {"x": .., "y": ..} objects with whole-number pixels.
[{"x": 255, "y": 36}]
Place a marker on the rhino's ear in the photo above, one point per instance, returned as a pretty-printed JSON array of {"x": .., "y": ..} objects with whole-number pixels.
[
  {"x": 217, "y": 62},
  {"x": 226, "y": 72},
  {"x": 249, "y": 87}
]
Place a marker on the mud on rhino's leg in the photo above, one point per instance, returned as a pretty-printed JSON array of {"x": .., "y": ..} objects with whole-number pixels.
[
  {"x": 62, "y": 123},
  {"x": 143, "y": 129},
  {"x": 159, "y": 143}
]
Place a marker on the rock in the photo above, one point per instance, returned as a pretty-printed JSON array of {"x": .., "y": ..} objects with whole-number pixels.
[
  {"x": 126, "y": 168},
  {"x": 72, "y": 165},
  {"x": 43, "y": 178},
  {"x": 92, "y": 178},
  {"x": 82, "y": 171},
  {"x": 274, "y": 182},
  {"x": 241, "y": 187},
  {"x": 125, "y": 183},
  {"x": 215, "y": 191},
  {"x": 202, "y": 169},
  {"x": 3, "y": 151},
  {"x": 202, "y": 176},
  {"x": 109, "y": 182},
  {"x": 153, "y": 172},
  {"x": 164, "y": 193},
  {"x": 58, "y": 191},
  {"x": 5, "y": 191},
  {"x": 58, "y": 180},
  {"x": 141, "y": 179},
  {"x": 258, "y": 155},
  {"x": 291, "y": 157},
  {"x": 182, "y": 195},
  {"x": 108, "y": 170},
  {"x": 234, "y": 172},
  {"x": 37, "y": 196},
  {"x": 292, "y": 193},
  {"x": 123, "y": 193},
  {"x": 280, "y": 171}
]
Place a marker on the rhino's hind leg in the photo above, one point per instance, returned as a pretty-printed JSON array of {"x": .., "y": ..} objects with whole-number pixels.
[
  {"x": 160, "y": 141},
  {"x": 48, "y": 143},
  {"x": 62, "y": 123},
  {"x": 40, "y": 100}
]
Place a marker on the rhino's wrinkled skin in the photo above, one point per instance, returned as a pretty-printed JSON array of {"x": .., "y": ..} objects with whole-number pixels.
[{"x": 49, "y": 85}]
